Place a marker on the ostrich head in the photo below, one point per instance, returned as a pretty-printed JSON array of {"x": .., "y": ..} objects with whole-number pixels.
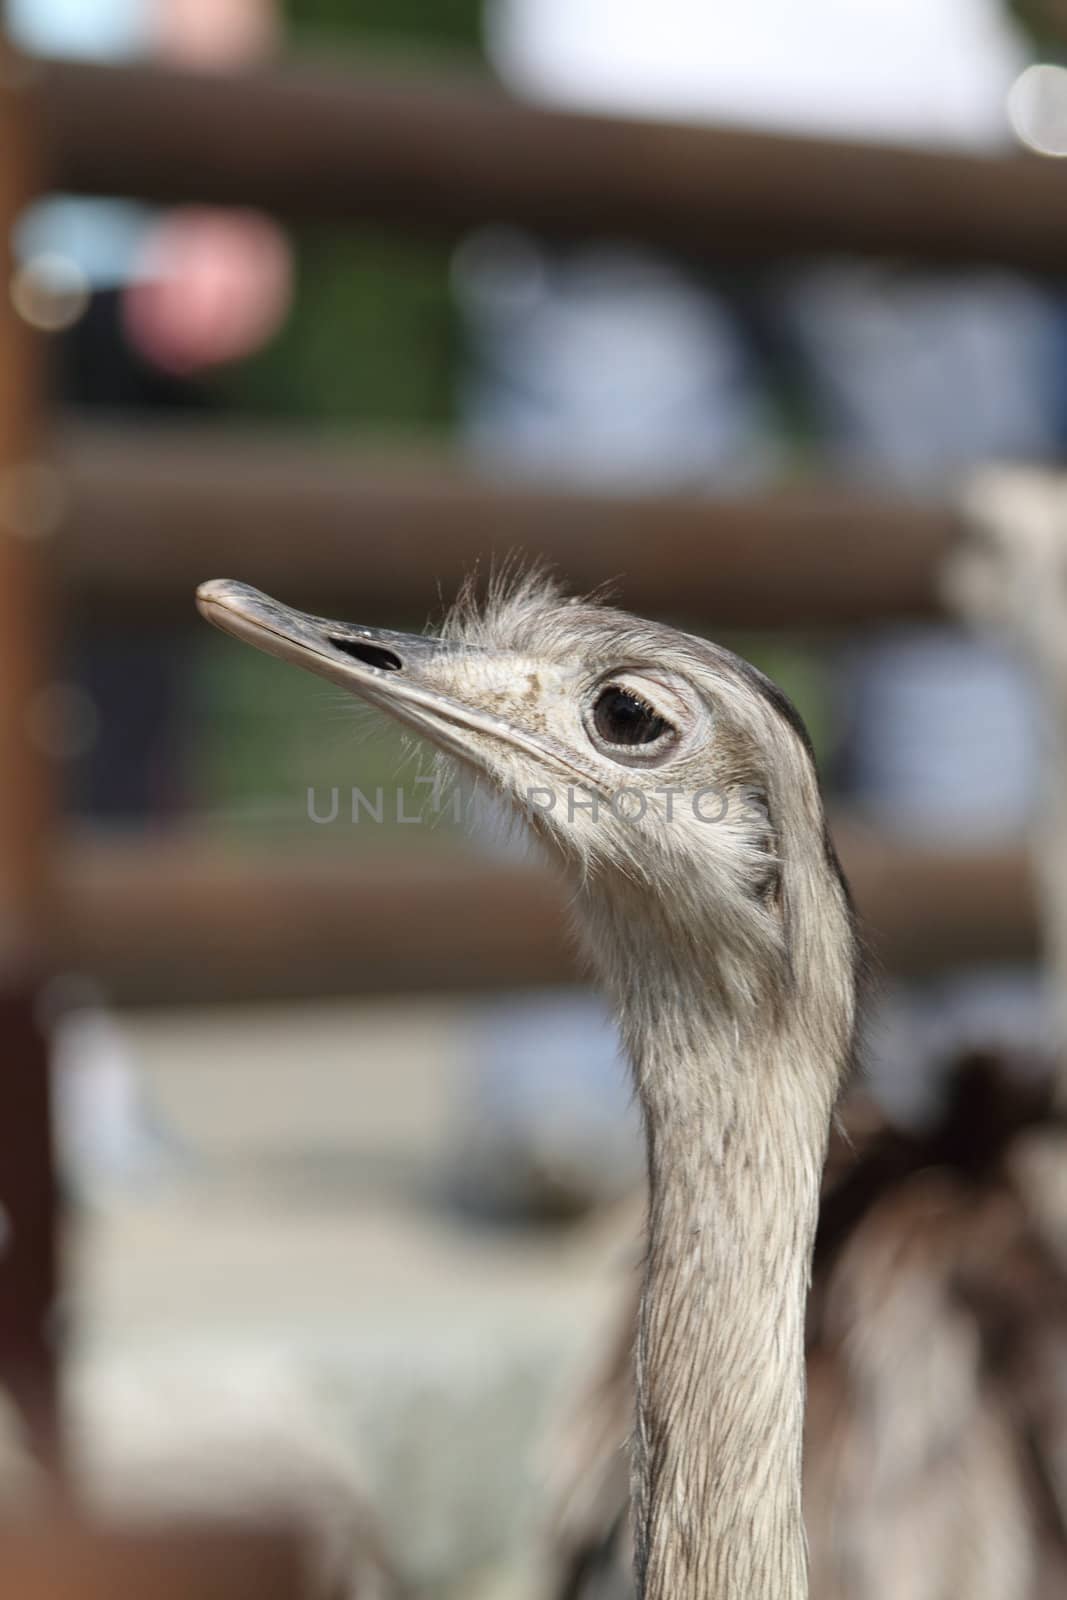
[
  {"x": 676, "y": 786},
  {"x": 673, "y": 781}
]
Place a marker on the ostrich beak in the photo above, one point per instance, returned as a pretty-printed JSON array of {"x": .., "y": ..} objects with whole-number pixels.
[
  {"x": 355, "y": 657},
  {"x": 407, "y": 675}
]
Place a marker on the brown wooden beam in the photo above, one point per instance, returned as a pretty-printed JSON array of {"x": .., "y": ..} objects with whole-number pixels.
[
  {"x": 371, "y": 530},
  {"x": 170, "y": 919},
  {"x": 437, "y": 149},
  {"x": 29, "y": 1266},
  {"x": 26, "y": 789},
  {"x": 28, "y": 1254}
]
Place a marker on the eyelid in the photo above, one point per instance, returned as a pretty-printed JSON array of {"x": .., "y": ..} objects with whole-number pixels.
[
  {"x": 641, "y": 755},
  {"x": 649, "y": 745},
  {"x": 642, "y": 683},
  {"x": 642, "y": 700},
  {"x": 656, "y": 716}
]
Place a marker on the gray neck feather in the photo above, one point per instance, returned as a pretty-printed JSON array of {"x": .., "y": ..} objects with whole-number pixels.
[
  {"x": 733, "y": 1203},
  {"x": 737, "y": 1097}
]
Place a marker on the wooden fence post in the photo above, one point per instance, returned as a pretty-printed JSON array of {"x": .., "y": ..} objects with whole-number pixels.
[{"x": 27, "y": 1183}]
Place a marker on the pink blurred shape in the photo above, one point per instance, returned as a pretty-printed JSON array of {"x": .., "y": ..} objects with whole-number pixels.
[
  {"x": 215, "y": 34},
  {"x": 210, "y": 287}
]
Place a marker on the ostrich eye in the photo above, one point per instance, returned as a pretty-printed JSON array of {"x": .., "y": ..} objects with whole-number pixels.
[{"x": 622, "y": 718}]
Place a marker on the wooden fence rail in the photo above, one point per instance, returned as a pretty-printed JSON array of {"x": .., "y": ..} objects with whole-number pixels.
[
  {"x": 146, "y": 515},
  {"x": 439, "y": 151},
  {"x": 170, "y": 919}
]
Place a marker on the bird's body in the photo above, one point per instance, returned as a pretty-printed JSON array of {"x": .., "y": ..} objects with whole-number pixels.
[
  {"x": 937, "y": 1372},
  {"x": 676, "y": 789},
  {"x": 935, "y": 1464}
]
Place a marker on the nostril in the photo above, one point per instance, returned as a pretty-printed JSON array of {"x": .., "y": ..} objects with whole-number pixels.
[{"x": 371, "y": 655}]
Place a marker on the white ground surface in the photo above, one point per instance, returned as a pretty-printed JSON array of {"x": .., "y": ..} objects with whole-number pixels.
[{"x": 295, "y": 1280}]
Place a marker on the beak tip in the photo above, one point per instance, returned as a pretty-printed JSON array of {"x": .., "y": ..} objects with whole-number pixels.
[{"x": 217, "y": 594}]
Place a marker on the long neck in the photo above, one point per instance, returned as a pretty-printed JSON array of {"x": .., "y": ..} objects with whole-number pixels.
[
  {"x": 734, "y": 1168},
  {"x": 737, "y": 1102}
]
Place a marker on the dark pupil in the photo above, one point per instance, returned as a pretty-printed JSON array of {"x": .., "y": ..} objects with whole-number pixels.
[{"x": 622, "y": 718}]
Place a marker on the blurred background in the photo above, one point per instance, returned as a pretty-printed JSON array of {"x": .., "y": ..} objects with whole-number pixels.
[{"x": 345, "y": 1161}]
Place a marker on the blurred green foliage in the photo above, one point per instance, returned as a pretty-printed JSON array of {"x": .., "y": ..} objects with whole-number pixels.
[
  {"x": 371, "y": 337},
  {"x": 413, "y": 23},
  {"x": 372, "y": 334}
]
